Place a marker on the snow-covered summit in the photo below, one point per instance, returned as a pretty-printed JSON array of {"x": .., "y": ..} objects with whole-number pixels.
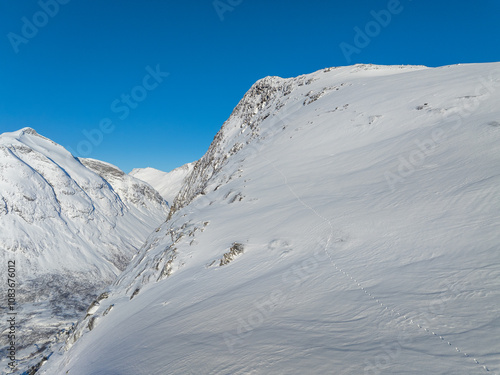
[
  {"x": 265, "y": 100},
  {"x": 22, "y": 132}
]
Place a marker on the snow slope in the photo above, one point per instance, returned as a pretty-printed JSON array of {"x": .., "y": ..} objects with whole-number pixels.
[
  {"x": 167, "y": 184},
  {"x": 342, "y": 222},
  {"x": 70, "y": 225}
]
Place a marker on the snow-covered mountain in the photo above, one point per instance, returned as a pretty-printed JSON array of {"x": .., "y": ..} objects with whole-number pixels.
[
  {"x": 341, "y": 222},
  {"x": 71, "y": 226},
  {"x": 167, "y": 184}
]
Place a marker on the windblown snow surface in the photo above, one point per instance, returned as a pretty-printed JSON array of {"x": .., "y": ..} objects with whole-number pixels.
[
  {"x": 342, "y": 222},
  {"x": 71, "y": 226},
  {"x": 167, "y": 184}
]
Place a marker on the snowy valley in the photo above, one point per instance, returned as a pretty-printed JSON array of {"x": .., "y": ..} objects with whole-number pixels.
[{"x": 341, "y": 222}]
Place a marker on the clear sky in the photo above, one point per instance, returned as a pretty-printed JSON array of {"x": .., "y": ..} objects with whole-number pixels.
[{"x": 142, "y": 83}]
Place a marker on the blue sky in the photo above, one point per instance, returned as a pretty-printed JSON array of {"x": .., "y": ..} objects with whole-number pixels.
[{"x": 143, "y": 83}]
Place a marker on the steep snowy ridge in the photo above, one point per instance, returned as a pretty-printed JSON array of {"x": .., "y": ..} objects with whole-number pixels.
[
  {"x": 345, "y": 221},
  {"x": 141, "y": 195},
  {"x": 70, "y": 225},
  {"x": 266, "y": 98}
]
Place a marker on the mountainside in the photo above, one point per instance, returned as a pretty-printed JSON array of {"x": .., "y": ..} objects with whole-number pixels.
[
  {"x": 70, "y": 225},
  {"x": 167, "y": 184},
  {"x": 344, "y": 222}
]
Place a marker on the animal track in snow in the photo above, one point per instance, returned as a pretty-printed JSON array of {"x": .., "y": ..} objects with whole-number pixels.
[{"x": 406, "y": 316}]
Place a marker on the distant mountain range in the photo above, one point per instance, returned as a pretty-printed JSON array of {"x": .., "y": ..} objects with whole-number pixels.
[{"x": 167, "y": 184}]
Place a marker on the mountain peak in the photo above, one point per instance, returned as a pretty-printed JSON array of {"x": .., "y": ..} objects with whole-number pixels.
[
  {"x": 24, "y": 134},
  {"x": 28, "y": 130},
  {"x": 31, "y": 131}
]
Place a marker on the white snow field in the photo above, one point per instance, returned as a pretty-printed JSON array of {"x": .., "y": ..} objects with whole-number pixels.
[
  {"x": 167, "y": 184},
  {"x": 342, "y": 222},
  {"x": 71, "y": 226}
]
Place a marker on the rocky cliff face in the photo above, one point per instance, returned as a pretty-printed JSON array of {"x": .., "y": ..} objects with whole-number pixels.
[{"x": 264, "y": 99}]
